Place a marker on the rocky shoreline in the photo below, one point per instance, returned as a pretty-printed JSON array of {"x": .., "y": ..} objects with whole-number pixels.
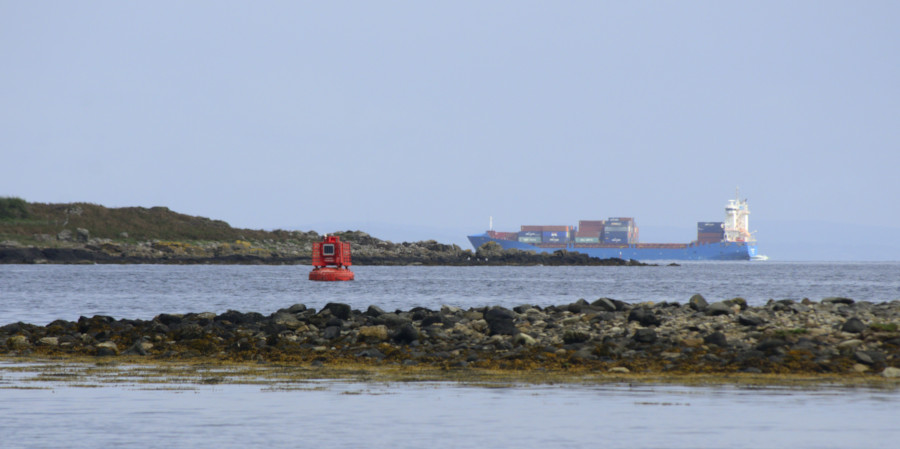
[
  {"x": 836, "y": 336},
  {"x": 428, "y": 253}
]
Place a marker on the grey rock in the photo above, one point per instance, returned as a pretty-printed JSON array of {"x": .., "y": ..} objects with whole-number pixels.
[
  {"x": 406, "y": 334},
  {"x": 853, "y": 325},
  {"x": 698, "y": 303},
  {"x": 837, "y": 300},
  {"x": 375, "y": 311},
  {"x": 645, "y": 335},
  {"x": 64, "y": 236},
  {"x": 339, "y": 310},
  {"x": 297, "y": 308},
  {"x": 863, "y": 357},
  {"x": 719, "y": 308},
  {"x": 572, "y": 336},
  {"x": 750, "y": 320},
  {"x": 891, "y": 372},
  {"x": 82, "y": 235},
  {"x": 716, "y": 338},
  {"x": 331, "y": 332},
  {"x": 644, "y": 316},
  {"x": 371, "y": 353},
  {"x": 604, "y": 304}
]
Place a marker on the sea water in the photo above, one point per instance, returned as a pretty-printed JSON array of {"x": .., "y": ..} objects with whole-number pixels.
[{"x": 36, "y": 412}]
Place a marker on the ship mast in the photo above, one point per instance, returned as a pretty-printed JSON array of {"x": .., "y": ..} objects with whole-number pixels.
[{"x": 737, "y": 220}]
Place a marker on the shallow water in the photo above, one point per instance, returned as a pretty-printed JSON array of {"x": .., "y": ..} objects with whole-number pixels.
[
  {"x": 436, "y": 414},
  {"x": 401, "y": 414}
]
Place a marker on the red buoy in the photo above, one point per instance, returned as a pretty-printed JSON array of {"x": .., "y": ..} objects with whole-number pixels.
[{"x": 330, "y": 259}]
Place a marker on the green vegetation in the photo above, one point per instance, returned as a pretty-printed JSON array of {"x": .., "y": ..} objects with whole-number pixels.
[
  {"x": 884, "y": 327},
  {"x": 126, "y": 223},
  {"x": 13, "y": 208}
]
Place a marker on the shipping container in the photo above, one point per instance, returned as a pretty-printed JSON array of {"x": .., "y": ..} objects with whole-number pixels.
[
  {"x": 588, "y": 233},
  {"x": 616, "y": 229},
  {"x": 532, "y": 228},
  {"x": 626, "y": 219},
  {"x": 536, "y": 234},
  {"x": 591, "y": 224},
  {"x": 587, "y": 239},
  {"x": 556, "y": 228},
  {"x": 555, "y": 237},
  {"x": 526, "y": 239},
  {"x": 710, "y": 226},
  {"x": 615, "y": 237}
]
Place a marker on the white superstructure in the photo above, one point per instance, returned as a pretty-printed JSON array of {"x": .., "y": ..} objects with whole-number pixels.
[{"x": 737, "y": 221}]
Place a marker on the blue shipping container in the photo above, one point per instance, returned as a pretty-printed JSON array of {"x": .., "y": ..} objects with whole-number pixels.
[{"x": 555, "y": 237}]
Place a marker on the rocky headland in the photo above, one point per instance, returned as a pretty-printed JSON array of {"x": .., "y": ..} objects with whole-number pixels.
[
  {"x": 835, "y": 336},
  {"x": 35, "y": 233}
]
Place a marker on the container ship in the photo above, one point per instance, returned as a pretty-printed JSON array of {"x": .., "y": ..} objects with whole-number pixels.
[{"x": 617, "y": 237}]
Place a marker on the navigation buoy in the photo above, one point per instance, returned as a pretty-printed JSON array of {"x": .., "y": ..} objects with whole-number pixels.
[{"x": 330, "y": 259}]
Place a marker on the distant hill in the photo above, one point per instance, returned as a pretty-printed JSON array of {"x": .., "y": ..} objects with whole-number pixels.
[{"x": 132, "y": 223}]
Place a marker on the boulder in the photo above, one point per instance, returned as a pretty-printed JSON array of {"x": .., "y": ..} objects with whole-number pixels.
[
  {"x": 406, "y": 334},
  {"x": 716, "y": 338},
  {"x": 645, "y": 335},
  {"x": 339, "y": 310},
  {"x": 720, "y": 308},
  {"x": 837, "y": 300},
  {"x": 374, "y": 333},
  {"x": 644, "y": 316},
  {"x": 698, "y": 303},
  {"x": 891, "y": 372},
  {"x": 747, "y": 319},
  {"x": 604, "y": 304},
  {"x": 853, "y": 325}
]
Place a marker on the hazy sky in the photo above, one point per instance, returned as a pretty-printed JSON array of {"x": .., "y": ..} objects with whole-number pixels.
[{"x": 438, "y": 115}]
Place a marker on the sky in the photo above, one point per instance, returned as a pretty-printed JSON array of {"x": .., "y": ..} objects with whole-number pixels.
[{"x": 414, "y": 120}]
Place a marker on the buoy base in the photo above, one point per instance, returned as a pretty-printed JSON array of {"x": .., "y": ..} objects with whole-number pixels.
[{"x": 330, "y": 274}]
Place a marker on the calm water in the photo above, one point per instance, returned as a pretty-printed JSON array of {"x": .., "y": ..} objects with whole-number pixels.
[
  {"x": 41, "y": 294},
  {"x": 341, "y": 414}
]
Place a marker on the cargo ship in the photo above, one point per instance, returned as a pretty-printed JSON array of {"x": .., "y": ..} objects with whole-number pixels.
[{"x": 617, "y": 237}]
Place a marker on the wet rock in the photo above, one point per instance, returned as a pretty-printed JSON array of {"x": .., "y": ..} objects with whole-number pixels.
[
  {"x": 49, "y": 341},
  {"x": 524, "y": 339},
  {"x": 500, "y": 321},
  {"x": 645, "y": 335},
  {"x": 720, "y": 308},
  {"x": 698, "y": 303},
  {"x": 371, "y": 353},
  {"x": 645, "y": 316},
  {"x": 297, "y": 308},
  {"x": 604, "y": 304},
  {"x": 750, "y": 320},
  {"x": 716, "y": 338},
  {"x": 18, "y": 342},
  {"x": 374, "y": 311},
  {"x": 374, "y": 333},
  {"x": 837, "y": 300},
  {"x": 572, "y": 336},
  {"x": 331, "y": 332},
  {"x": 406, "y": 334},
  {"x": 339, "y": 310},
  {"x": 853, "y": 325},
  {"x": 891, "y": 372},
  {"x": 863, "y": 357}
]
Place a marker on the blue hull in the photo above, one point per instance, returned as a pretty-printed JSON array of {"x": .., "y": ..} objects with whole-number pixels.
[{"x": 707, "y": 251}]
